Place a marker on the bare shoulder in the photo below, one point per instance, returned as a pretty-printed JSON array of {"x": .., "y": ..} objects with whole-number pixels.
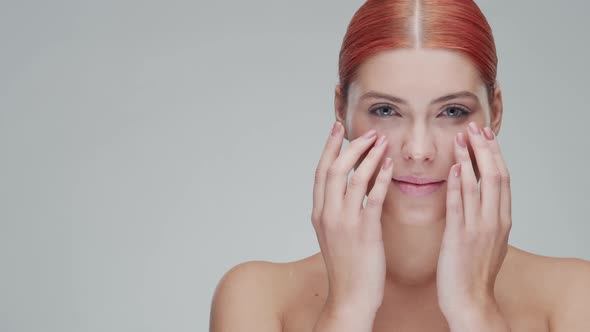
[
  {"x": 570, "y": 278},
  {"x": 561, "y": 285},
  {"x": 556, "y": 275},
  {"x": 255, "y": 295}
]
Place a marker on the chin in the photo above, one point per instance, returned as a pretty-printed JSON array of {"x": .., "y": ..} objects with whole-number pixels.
[
  {"x": 420, "y": 217},
  {"x": 412, "y": 211}
]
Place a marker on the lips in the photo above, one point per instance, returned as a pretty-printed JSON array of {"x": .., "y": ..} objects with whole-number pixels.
[
  {"x": 415, "y": 186},
  {"x": 416, "y": 180}
]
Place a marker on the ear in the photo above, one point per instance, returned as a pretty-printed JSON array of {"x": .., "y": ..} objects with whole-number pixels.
[
  {"x": 496, "y": 109},
  {"x": 340, "y": 109}
]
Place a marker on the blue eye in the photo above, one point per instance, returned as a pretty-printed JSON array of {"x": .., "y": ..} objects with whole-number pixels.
[
  {"x": 383, "y": 111},
  {"x": 456, "y": 112}
]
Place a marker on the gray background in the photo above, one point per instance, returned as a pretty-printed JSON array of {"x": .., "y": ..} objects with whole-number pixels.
[{"x": 147, "y": 147}]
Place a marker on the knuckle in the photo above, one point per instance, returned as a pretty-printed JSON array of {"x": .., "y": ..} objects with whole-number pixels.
[
  {"x": 493, "y": 177},
  {"x": 373, "y": 201},
  {"x": 333, "y": 171},
  {"x": 357, "y": 181},
  {"x": 315, "y": 217},
  {"x": 319, "y": 175},
  {"x": 506, "y": 178}
]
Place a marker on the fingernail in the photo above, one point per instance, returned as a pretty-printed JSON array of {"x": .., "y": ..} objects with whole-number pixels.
[
  {"x": 457, "y": 170},
  {"x": 387, "y": 163},
  {"x": 461, "y": 140},
  {"x": 335, "y": 128},
  {"x": 489, "y": 133},
  {"x": 370, "y": 134},
  {"x": 380, "y": 141},
  {"x": 473, "y": 128}
]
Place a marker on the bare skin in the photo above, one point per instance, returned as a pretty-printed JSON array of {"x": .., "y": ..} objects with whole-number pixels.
[
  {"x": 532, "y": 292},
  {"x": 529, "y": 288}
]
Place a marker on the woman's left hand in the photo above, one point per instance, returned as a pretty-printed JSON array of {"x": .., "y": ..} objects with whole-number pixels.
[{"x": 478, "y": 223}]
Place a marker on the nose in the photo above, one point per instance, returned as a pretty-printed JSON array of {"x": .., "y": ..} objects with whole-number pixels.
[{"x": 418, "y": 145}]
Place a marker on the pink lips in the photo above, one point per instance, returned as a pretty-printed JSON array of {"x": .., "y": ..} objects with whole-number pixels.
[{"x": 415, "y": 186}]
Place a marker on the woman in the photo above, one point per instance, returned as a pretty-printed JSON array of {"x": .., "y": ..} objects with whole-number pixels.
[{"x": 419, "y": 102}]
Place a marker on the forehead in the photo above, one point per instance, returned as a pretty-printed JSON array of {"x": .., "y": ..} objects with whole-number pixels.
[{"x": 415, "y": 74}]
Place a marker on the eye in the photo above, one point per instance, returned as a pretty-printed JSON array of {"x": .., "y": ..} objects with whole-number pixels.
[
  {"x": 383, "y": 111},
  {"x": 455, "y": 111}
]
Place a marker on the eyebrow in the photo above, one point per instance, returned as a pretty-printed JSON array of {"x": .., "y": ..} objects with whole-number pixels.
[{"x": 461, "y": 94}]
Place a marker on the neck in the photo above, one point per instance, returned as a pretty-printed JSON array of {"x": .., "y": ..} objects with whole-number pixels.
[{"x": 412, "y": 246}]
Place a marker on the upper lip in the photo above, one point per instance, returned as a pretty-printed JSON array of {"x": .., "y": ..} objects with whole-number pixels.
[{"x": 416, "y": 180}]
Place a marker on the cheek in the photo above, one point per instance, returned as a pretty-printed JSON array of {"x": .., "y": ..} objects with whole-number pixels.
[
  {"x": 442, "y": 138},
  {"x": 388, "y": 126}
]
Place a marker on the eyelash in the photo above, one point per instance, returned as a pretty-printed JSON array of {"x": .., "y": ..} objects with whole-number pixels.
[{"x": 465, "y": 111}]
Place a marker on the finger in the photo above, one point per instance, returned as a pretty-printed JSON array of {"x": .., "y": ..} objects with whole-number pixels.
[
  {"x": 469, "y": 188},
  {"x": 329, "y": 154},
  {"x": 505, "y": 191},
  {"x": 374, "y": 206},
  {"x": 454, "y": 215},
  {"x": 357, "y": 186},
  {"x": 338, "y": 172},
  {"x": 489, "y": 175}
]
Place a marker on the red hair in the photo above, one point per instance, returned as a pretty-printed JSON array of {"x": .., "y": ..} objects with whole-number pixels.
[{"x": 447, "y": 24}]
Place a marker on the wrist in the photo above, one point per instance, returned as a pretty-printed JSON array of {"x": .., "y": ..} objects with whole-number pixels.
[
  {"x": 343, "y": 317},
  {"x": 342, "y": 306},
  {"x": 483, "y": 317},
  {"x": 348, "y": 310}
]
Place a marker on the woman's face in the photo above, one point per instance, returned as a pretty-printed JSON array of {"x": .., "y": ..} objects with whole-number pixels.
[{"x": 419, "y": 99}]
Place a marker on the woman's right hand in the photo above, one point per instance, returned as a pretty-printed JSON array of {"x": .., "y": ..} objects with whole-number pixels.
[{"x": 349, "y": 234}]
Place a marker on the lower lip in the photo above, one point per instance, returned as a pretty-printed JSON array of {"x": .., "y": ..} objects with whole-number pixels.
[{"x": 418, "y": 189}]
